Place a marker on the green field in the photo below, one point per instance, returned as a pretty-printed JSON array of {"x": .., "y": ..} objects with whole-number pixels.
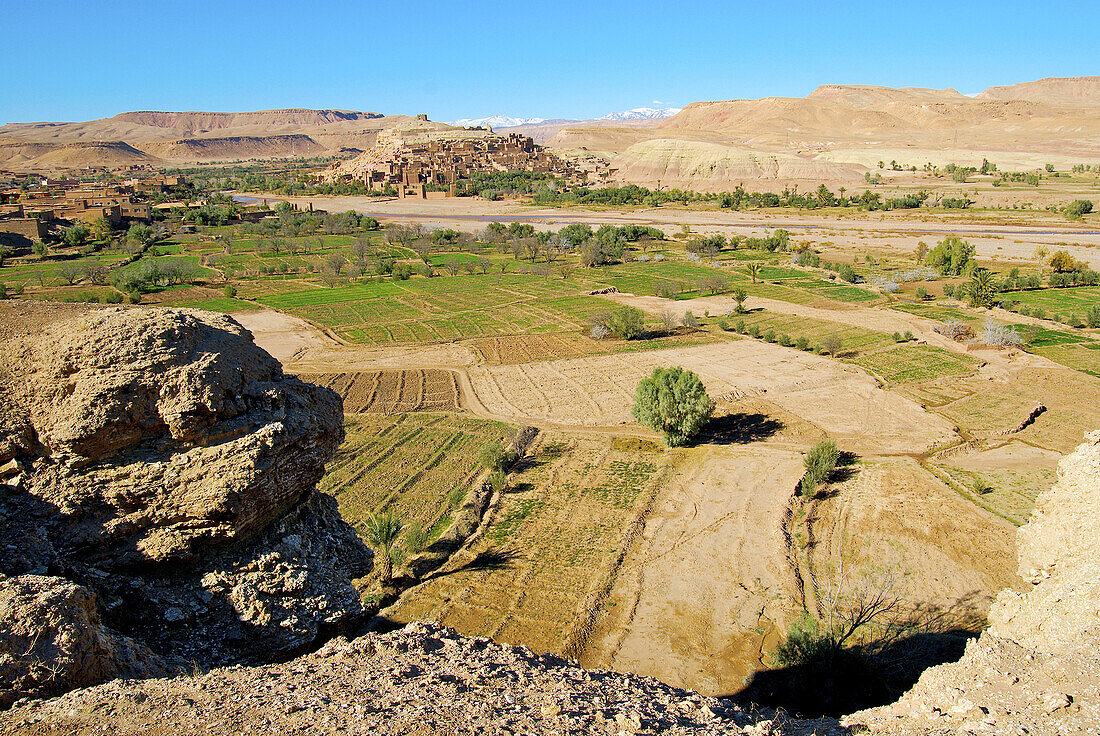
[
  {"x": 915, "y": 363},
  {"x": 417, "y": 465},
  {"x": 1070, "y": 300},
  {"x": 853, "y": 339}
]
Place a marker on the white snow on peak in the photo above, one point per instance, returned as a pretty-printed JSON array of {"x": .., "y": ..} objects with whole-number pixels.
[
  {"x": 496, "y": 121},
  {"x": 642, "y": 113}
]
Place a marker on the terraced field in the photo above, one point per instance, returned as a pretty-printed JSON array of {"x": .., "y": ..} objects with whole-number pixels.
[
  {"x": 419, "y": 465},
  {"x": 442, "y": 309},
  {"x": 392, "y": 392},
  {"x": 553, "y": 547}
]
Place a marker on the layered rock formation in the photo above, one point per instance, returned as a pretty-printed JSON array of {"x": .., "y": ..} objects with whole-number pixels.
[{"x": 159, "y": 503}]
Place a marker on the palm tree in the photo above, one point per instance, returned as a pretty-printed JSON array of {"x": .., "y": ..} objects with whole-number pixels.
[
  {"x": 754, "y": 271},
  {"x": 382, "y": 531},
  {"x": 982, "y": 289}
]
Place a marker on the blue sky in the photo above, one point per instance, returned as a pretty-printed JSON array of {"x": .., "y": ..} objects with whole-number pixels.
[{"x": 548, "y": 59}]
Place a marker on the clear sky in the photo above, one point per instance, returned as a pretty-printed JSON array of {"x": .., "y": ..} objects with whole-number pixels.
[{"x": 83, "y": 59}]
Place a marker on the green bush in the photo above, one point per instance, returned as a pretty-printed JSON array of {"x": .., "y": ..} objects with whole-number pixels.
[
  {"x": 1092, "y": 317},
  {"x": 802, "y": 343},
  {"x": 739, "y": 326},
  {"x": 621, "y": 320},
  {"x": 922, "y": 293},
  {"x": 674, "y": 402},
  {"x": 753, "y": 331},
  {"x": 897, "y": 337},
  {"x": 494, "y": 456},
  {"x": 909, "y": 337},
  {"x": 230, "y": 292},
  {"x": 820, "y": 462},
  {"x": 769, "y": 335},
  {"x": 113, "y": 297}
]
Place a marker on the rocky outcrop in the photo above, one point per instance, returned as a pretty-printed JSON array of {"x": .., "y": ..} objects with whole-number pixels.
[
  {"x": 1037, "y": 668},
  {"x": 423, "y": 680},
  {"x": 159, "y": 473}
]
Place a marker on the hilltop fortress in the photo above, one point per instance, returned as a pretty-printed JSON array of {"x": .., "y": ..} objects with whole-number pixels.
[{"x": 430, "y": 164}]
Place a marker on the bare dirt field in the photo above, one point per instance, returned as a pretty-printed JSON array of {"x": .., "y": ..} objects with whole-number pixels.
[
  {"x": 706, "y": 585},
  {"x": 392, "y": 391},
  {"x": 599, "y": 391}
]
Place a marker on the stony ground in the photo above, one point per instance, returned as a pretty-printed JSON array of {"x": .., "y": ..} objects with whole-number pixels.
[{"x": 422, "y": 680}]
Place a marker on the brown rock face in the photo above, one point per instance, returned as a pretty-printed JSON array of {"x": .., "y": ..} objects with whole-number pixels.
[
  {"x": 54, "y": 640},
  {"x": 163, "y": 462}
]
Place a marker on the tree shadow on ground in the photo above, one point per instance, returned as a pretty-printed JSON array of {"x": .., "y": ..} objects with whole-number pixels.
[
  {"x": 866, "y": 676},
  {"x": 738, "y": 429},
  {"x": 490, "y": 559}
]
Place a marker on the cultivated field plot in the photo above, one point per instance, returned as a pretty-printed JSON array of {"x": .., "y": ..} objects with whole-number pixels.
[
  {"x": 392, "y": 392},
  {"x": 550, "y": 552},
  {"x": 991, "y": 406},
  {"x": 418, "y": 465},
  {"x": 894, "y": 520},
  {"x": 1011, "y": 474},
  {"x": 599, "y": 391},
  {"x": 1070, "y": 300},
  {"x": 915, "y": 363},
  {"x": 706, "y": 587},
  {"x": 853, "y": 339},
  {"x": 1083, "y": 357},
  {"x": 441, "y": 309},
  {"x": 514, "y": 349}
]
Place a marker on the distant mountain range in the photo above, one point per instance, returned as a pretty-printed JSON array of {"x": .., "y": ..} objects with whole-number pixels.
[
  {"x": 642, "y": 113},
  {"x": 836, "y": 134},
  {"x": 507, "y": 121}
]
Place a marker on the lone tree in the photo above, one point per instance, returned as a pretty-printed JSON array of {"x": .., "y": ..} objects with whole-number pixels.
[
  {"x": 383, "y": 531},
  {"x": 674, "y": 402}
]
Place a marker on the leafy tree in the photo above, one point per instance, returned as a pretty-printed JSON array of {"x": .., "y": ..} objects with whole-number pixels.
[
  {"x": 674, "y": 402},
  {"x": 1063, "y": 262},
  {"x": 382, "y": 531},
  {"x": 1078, "y": 208},
  {"x": 951, "y": 255},
  {"x": 575, "y": 233},
  {"x": 493, "y": 456},
  {"x": 76, "y": 235},
  {"x": 622, "y": 321}
]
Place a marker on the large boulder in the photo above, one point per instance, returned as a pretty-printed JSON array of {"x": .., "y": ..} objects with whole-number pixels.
[{"x": 163, "y": 464}]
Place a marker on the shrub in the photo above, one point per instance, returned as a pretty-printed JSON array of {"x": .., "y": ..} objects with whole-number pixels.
[
  {"x": 954, "y": 330},
  {"x": 1078, "y": 208},
  {"x": 598, "y": 332},
  {"x": 770, "y": 335},
  {"x": 897, "y": 337},
  {"x": 784, "y": 339},
  {"x": 113, "y": 297},
  {"x": 230, "y": 292},
  {"x": 674, "y": 402},
  {"x": 820, "y": 462},
  {"x": 690, "y": 321},
  {"x": 848, "y": 273},
  {"x": 621, "y": 320},
  {"x": 1003, "y": 335},
  {"x": 1092, "y": 317},
  {"x": 724, "y": 324},
  {"x": 948, "y": 290},
  {"x": 922, "y": 293},
  {"x": 753, "y": 331},
  {"x": 909, "y": 336},
  {"x": 832, "y": 344},
  {"x": 802, "y": 343},
  {"x": 493, "y": 456}
]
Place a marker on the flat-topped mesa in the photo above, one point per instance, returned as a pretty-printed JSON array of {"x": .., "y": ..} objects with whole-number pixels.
[{"x": 163, "y": 463}]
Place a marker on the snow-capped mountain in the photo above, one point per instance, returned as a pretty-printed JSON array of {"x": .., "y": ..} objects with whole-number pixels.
[
  {"x": 497, "y": 121},
  {"x": 642, "y": 113}
]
